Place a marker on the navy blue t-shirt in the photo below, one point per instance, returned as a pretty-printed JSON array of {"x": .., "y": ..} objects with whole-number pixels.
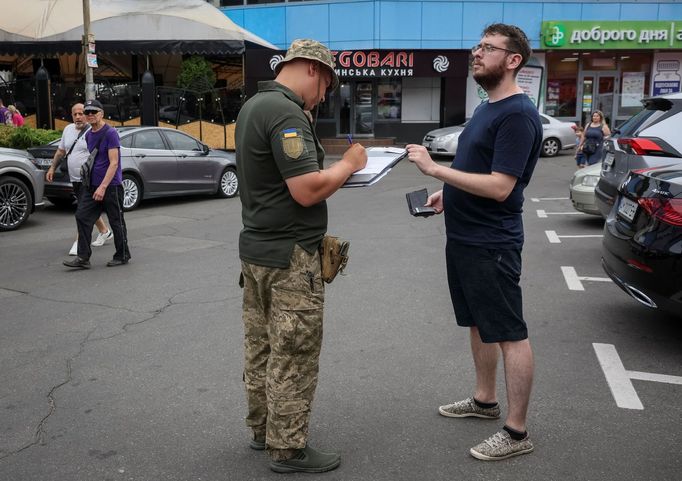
[{"x": 503, "y": 136}]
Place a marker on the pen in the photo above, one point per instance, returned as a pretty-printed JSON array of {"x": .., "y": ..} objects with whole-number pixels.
[{"x": 350, "y": 139}]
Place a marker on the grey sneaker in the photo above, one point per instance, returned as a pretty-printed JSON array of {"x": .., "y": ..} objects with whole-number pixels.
[
  {"x": 469, "y": 408},
  {"x": 501, "y": 446}
]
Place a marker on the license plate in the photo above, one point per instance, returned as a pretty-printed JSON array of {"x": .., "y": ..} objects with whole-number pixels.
[
  {"x": 608, "y": 160},
  {"x": 627, "y": 209},
  {"x": 44, "y": 162}
]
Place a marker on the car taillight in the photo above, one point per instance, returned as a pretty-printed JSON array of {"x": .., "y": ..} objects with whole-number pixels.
[
  {"x": 639, "y": 265},
  {"x": 640, "y": 146},
  {"x": 666, "y": 210}
]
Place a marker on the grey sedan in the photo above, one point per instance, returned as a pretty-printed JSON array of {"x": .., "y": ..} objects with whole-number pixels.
[
  {"x": 21, "y": 188},
  {"x": 156, "y": 162},
  {"x": 556, "y": 136}
]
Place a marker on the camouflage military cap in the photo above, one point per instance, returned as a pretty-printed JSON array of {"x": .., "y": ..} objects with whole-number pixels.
[{"x": 312, "y": 50}]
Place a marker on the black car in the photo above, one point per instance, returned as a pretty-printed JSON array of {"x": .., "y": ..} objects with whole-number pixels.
[
  {"x": 642, "y": 248},
  {"x": 156, "y": 162}
]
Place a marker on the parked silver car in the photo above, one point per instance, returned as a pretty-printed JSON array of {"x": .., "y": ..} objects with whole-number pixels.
[
  {"x": 156, "y": 162},
  {"x": 21, "y": 188},
  {"x": 651, "y": 138},
  {"x": 581, "y": 189},
  {"x": 557, "y": 135}
]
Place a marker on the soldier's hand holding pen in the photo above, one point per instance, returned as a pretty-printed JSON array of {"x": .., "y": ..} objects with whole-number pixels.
[{"x": 356, "y": 155}]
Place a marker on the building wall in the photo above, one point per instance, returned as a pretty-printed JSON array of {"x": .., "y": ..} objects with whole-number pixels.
[{"x": 390, "y": 24}]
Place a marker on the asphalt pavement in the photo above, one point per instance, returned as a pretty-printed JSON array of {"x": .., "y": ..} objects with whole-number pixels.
[{"x": 135, "y": 372}]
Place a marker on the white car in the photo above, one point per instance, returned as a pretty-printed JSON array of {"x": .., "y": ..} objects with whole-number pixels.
[
  {"x": 582, "y": 189},
  {"x": 557, "y": 135}
]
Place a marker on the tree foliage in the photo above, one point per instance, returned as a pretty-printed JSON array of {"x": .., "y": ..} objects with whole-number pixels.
[
  {"x": 25, "y": 137},
  {"x": 196, "y": 74}
]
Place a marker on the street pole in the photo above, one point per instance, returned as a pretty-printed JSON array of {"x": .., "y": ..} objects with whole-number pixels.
[{"x": 89, "y": 77}]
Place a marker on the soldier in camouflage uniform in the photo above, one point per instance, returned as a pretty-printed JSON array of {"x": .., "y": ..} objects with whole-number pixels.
[{"x": 283, "y": 187}]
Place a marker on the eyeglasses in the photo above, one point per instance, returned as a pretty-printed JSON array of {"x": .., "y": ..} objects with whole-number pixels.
[
  {"x": 487, "y": 48},
  {"x": 90, "y": 112}
]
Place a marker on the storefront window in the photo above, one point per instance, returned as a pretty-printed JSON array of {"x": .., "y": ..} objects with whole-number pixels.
[
  {"x": 560, "y": 100},
  {"x": 599, "y": 61},
  {"x": 635, "y": 78},
  {"x": 326, "y": 108},
  {"x": 389, "y": 99}
]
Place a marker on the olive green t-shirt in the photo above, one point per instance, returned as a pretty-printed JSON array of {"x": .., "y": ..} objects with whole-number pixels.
[{"x": 275, "y": 141}]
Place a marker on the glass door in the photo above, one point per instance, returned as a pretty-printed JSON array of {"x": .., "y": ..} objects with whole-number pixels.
[
  {"x": 363, "y": 109},
  {"x": 599, "y": 92},
  {"x": 356, "y": 111},
  {"x": 345, "y": 101}
]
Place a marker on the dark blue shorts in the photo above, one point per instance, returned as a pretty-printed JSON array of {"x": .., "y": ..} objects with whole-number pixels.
[{"x": 485, "y": 291}]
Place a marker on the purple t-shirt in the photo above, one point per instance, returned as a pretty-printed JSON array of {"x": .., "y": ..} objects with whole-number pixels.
[
  {"x": 5, "y": 116},
  {"x": 110, "y": 140}
]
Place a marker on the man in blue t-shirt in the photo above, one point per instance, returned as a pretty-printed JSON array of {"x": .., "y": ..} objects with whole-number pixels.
[
  {"x": 482, "y": 200},
  {"x": 103, "y": 193}
]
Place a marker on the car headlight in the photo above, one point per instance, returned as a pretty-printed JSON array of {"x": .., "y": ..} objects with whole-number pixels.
[
  {"x": 446, "y": 138},
  {"x": 590, "y": 180}
]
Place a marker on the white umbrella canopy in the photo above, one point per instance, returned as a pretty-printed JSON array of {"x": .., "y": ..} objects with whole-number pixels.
[{"x": 123, "y": 26}]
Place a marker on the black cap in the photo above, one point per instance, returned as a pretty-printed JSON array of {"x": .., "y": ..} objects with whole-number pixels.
[{"x": 93, "y": 105}]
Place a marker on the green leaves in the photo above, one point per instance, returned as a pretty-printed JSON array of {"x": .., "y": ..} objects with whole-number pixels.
[
  {"x": 196, "y": 74},
  {"x": 25, "y": 137}
]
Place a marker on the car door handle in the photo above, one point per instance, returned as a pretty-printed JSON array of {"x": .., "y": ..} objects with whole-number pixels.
[
  {"x": 140, "y": 155},
  {"x": 182, "y": 155}
]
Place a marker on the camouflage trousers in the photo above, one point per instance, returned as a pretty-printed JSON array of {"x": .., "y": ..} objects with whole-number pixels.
[{"x": 282, "y": 314}]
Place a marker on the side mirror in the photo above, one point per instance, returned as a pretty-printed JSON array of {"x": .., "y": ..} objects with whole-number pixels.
[{"x": 205, "y": 149}]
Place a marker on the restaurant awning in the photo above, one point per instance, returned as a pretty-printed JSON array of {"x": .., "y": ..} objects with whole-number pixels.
[{"x": 50, "y": 27}]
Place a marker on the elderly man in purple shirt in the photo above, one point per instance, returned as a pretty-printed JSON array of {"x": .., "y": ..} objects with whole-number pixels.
[{"x": 104, "y": 192}]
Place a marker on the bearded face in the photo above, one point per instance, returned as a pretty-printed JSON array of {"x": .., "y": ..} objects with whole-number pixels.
[{"x": 488, "y": 74}]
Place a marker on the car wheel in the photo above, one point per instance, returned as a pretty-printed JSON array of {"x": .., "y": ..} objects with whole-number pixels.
[
  {"x": 16, "y": 203},
  {"x": 61, "y": 201},
  {"x": 550, "y": 147},
  {"x": 132, "y": 192},
  {"x": 229, "y": 184}
]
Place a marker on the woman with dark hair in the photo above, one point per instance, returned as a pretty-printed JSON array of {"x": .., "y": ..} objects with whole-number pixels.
[{"x": 593, "y": 138}]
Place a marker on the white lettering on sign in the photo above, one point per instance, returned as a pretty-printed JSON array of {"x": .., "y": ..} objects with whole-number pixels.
[
  {"x": 596, "y": 34},
  {"x": 371, "y": 72}
]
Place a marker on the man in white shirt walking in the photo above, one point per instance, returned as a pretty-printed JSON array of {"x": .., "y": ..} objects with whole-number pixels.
[{"x": 73, "y": 146}]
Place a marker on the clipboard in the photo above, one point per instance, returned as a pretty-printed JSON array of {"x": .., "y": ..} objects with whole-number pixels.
[{"x": 380, "y": 160}]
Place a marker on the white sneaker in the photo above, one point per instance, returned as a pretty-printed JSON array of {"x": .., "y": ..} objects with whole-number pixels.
[
  {"x": 102, "y": 238},
  {"x": 74, "y": 249}
]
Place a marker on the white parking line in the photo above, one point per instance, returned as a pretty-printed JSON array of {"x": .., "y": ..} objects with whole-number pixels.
[
  {"x": 543, "y": 213},
  {"x": 575, "y": 282},
  {"x": 619, "y": 379},
  {"x": 554, "y": 238},
  {"x": 538, "y": 199}
]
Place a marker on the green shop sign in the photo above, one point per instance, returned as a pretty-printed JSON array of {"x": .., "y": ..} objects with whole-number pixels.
[{"x": 571, "y": 35}]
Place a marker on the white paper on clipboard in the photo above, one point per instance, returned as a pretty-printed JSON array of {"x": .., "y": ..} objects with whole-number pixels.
[{"x": 380, "y": 160}]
